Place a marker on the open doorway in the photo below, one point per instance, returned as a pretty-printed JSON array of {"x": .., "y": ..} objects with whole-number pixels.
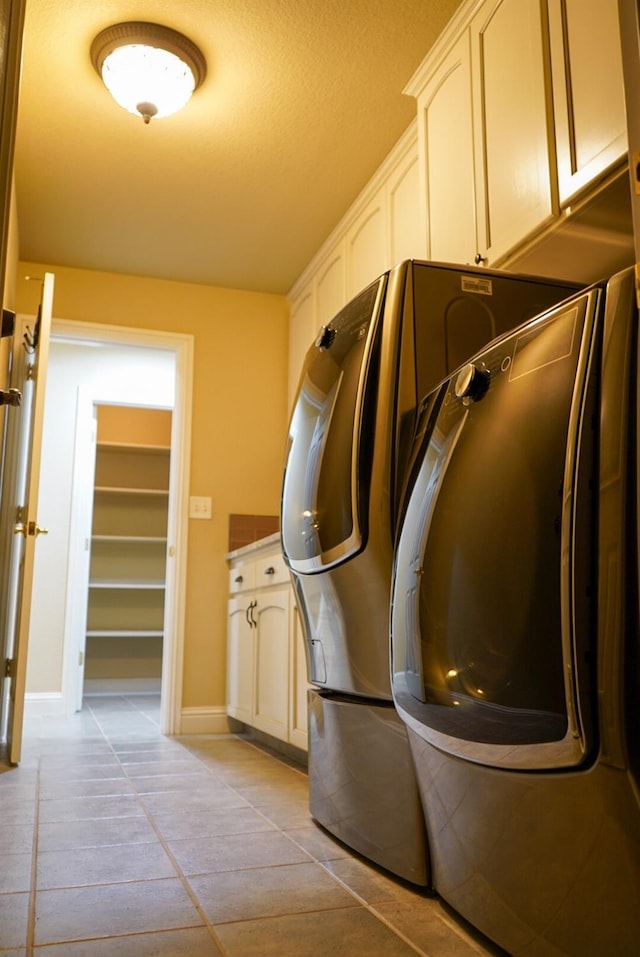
[
  {"x": 128, "y": 554},
  {"x": 90, "y": 367}
]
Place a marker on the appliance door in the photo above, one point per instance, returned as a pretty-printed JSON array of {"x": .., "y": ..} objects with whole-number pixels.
[
  {"x": 491, "y": 612},
  {"x": 328, "y": 459}
]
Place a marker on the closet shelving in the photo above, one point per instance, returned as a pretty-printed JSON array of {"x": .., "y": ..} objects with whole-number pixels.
[{"x": 128, "y": 557}]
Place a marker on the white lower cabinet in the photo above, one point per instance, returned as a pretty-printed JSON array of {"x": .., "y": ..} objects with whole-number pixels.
[
  {"x": 271, "y": 700},
  {"x": 240, "y": 659},
  {"x": 266, "y": 668}
]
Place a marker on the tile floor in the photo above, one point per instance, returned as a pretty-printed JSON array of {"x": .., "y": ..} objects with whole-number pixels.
[{"x": 119, "y": 842}]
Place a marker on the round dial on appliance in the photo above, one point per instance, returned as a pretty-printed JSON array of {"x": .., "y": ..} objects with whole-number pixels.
[
  {"x": 471, "y": 382},
  {"x": 325, "y": 337}
]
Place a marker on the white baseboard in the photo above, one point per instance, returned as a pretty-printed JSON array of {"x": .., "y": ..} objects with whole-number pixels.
[
  {"x": 39, "y": 704},
  {"x": 204, "y": 721}
]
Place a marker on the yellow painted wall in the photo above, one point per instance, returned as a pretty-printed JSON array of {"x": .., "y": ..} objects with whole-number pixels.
[
  {"x": 117, "y": 423},
  {"x": 239, "y": 421},
  {"x": 12, "y": 254}
]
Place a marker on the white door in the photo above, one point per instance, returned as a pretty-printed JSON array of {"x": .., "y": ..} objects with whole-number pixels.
[
  {"x": 19, "y": 529},
  {"x": 80, "y": 539}
]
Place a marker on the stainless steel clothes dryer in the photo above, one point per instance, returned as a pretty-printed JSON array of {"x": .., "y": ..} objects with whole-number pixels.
[
  {"x": 349, "y": 441},
  {"x": 515, "y": 639}
]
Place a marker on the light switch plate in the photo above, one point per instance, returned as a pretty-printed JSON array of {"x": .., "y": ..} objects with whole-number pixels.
[{"x": 199, "y": 506}]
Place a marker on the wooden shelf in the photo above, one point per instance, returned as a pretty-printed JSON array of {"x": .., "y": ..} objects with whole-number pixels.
[
  {"x": 118, "y": 490},
  {"x": 133, "y": 447},
  {"x": 124, "y": 633},
  {"x": 128, "y": 584},
  {"x": 131, "y": 539}
]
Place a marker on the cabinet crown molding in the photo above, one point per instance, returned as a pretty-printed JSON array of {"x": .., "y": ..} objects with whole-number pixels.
[{"x": 451, "y": 33}]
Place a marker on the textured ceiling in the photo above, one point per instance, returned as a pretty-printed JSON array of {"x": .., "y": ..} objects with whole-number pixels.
[{"x": 302, "y": 102}]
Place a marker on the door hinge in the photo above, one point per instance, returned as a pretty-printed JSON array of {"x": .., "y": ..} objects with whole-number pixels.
[
  {"x": 80, "y": 658},
  {"x": 8, "y": 323},
  {"x": 9, "y": 667},
  {"x": 10, "y": 397}
]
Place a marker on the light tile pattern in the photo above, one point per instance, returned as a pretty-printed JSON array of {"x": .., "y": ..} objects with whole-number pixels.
[{"x": 117, "y": 841}]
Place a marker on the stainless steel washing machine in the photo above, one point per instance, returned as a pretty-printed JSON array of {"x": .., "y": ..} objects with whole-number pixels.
[{"x": 515, "y": 638}]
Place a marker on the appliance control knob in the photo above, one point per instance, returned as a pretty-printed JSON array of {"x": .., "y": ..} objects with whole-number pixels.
[
  {"x": 325, "y": 337},
  {"x": 471, "y": 382}
]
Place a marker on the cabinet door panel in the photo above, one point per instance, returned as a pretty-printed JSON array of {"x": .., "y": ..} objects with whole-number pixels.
[
  {"x": 367, "y": 244},
  {"x": 330, "y": 288},
  {"x": 588, "y": 90},
  {"x": 240, "y": 660},
  {"x": 405, "y": 222},
  {"x": 271, "y": 704},
  {"x": 512, "y": 147},
  {"x": 302, "y": 328},
  {"x": 447, "y": 125}
]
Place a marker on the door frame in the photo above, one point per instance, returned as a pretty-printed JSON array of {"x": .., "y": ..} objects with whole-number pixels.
[{"x": 182, "y": 347}]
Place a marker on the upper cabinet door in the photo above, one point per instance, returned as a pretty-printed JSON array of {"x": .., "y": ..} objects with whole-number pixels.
[
  {"x": 446, "y": 129},
  {"x": 588, "y": 91},
  {"x": 406, "y": 224},
  {"x": 303, "y": 328},
  {"x": 330, "y": 286},
  {"x": 367, "y": 245},
  {"x": 512, "y": 147}
]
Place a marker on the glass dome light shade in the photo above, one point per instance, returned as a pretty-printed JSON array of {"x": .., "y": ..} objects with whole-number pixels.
[
  {"x": 149, "y": 70},
  {"x": 147, "y": 75}
]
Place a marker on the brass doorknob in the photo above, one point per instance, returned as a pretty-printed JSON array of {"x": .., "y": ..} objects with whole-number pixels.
[{"x": 31, "y": 528}]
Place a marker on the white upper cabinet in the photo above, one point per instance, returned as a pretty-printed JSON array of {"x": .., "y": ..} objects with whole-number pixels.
[
  {"x": 588, "y": 91},
  {"x": 520, "y": 121},
  {"x": 302, "y": 327},
  {"x": 484, "y": 143},
  {"x": 446, "y": 132},
  {"x": 384, "y": 226},
  {"x": 367, "y": 246},
  {"x": 405, "y": 218},
  {"x": 331, "y": 286},
  {"x": 511, "y": 142}
]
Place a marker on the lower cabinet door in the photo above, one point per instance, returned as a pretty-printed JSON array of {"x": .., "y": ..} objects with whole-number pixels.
[
  {"x": 240, "y": 658},
  {"x": 271, "y": 702}
]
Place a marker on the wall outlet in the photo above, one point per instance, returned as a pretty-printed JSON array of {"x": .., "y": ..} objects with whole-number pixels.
[{"x": 199, "y": 506}]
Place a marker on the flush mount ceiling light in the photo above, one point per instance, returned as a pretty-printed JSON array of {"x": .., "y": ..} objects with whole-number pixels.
[{"x": 149, "y": 69}]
